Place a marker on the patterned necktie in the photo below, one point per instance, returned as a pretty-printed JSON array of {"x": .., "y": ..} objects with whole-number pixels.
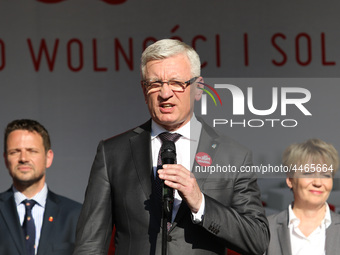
[
  {"x": 29, "y": 227},
  {"x": 166, "y": 136}
]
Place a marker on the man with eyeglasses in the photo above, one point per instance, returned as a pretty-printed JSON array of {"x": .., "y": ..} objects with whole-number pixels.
[{"x": 209, "y": 215}]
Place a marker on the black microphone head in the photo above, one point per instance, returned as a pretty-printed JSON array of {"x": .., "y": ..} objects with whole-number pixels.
[{"x": 168, "y": 152}]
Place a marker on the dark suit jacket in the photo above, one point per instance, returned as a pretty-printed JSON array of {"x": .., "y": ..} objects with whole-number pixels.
[
  {"x": 57, "y": 236},
  {"x": 120, "y": 193},
  {"x": 280, "y": 239}
]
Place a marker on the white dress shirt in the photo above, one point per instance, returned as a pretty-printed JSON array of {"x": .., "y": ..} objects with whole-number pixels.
[
  {"x": 37, "y": 210},
  {"x": 186, "y": 147},
  {"x": 315, "y": 242}
]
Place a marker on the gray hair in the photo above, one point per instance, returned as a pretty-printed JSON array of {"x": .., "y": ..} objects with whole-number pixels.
[
  {"x": 316, "y": 150},
  {"x": 167, "y": 48}
]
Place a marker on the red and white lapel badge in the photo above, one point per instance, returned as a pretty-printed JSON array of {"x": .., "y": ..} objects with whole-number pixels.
[{"x": 203, "y": 159}]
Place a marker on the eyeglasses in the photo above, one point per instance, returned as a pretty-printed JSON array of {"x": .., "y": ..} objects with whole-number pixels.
[{"x": 176, "y": 86}]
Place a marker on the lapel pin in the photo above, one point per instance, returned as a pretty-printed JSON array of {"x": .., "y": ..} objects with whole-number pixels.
[
  {"x": 50, "y": 219},
  {"x": 203, "y": 159},
  {"x": 214, "y": 145}
]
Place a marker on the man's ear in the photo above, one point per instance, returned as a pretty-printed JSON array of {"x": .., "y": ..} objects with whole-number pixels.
[
  {"x": 199, "y": 92},
  {"x": 49, "y": 158},
  {"x": 5, "y": 158}
]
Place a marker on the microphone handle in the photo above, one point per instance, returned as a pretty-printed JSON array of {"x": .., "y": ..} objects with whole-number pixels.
[{"x": 168, "y": 193}]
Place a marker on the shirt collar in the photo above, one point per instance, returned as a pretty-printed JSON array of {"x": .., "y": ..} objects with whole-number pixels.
[
  {"x": 40, "y": 197},
  {"x": 295, "y": 221},
  {"x": 190, "y": 131},
  {"x": 327, "y": 219}
]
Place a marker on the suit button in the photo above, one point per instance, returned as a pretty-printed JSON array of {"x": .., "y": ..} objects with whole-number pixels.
[{"x": 169, "y": 238}]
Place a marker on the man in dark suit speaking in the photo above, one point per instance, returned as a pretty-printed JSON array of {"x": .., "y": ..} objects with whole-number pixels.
[
  {"x": 209, "y": 214},
  {"x": 33, "y": 219}
]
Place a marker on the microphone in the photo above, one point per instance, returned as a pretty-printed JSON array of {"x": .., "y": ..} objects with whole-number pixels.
[{"x": 168, "y": 156}]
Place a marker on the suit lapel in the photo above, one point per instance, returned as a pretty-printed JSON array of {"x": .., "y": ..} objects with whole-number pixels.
[
  {"x": 209, "y": 144},
  {"x": 283, "y": 235},
  {"x": 141, "y": 155},
  {"x": 11, "y": 218},
  {"x": 332, "y": 235},
  {"x": 50, "y": 218}
]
